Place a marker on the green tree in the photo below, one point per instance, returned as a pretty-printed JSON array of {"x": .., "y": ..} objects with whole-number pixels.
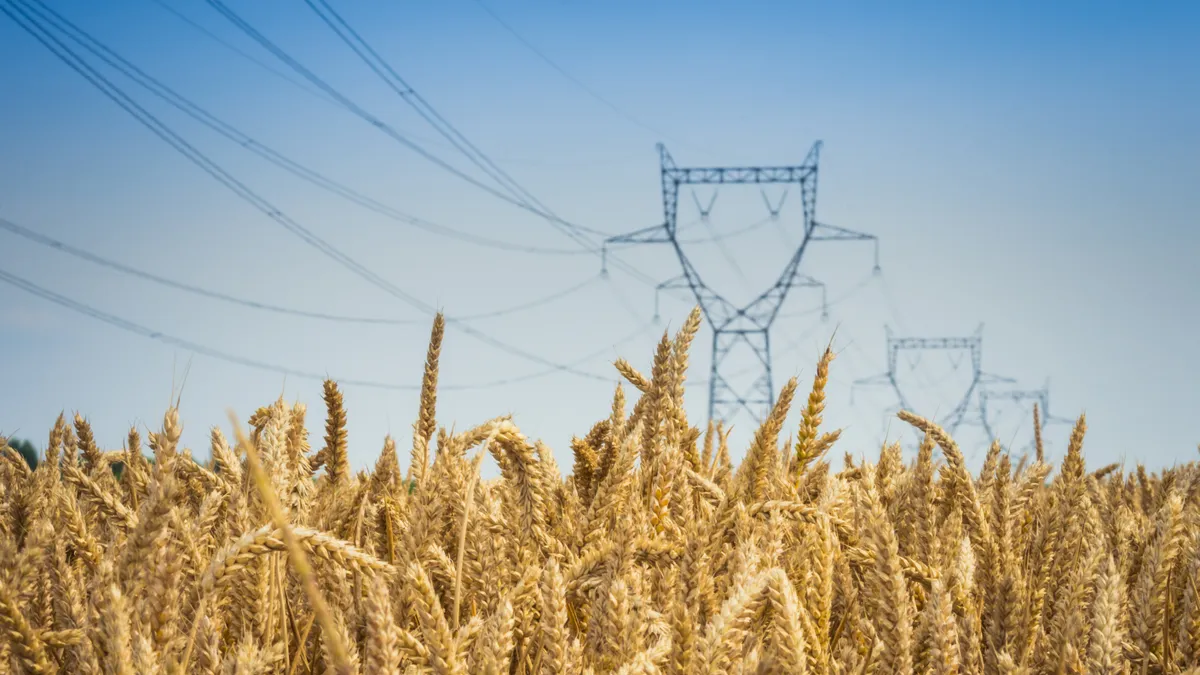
[{"x": 27, "y": 450}]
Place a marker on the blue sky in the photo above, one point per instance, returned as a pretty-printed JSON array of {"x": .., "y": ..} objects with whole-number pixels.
[{"x": 1028, "y": 167}]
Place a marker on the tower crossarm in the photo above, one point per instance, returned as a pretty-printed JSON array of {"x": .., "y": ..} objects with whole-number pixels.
[
  {"x": 826, "y": 232},
  {"x": 988, "y": 378},
  {"x": 655, "y": 234},
  {"x": 674, "y": 283},
  {"x": 1039, "y": 396},
  {"x": 896, "y": 344},
  {"x": 740, "y": 175}
]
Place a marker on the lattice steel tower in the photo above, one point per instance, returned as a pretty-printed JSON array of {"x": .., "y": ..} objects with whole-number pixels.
[
  {"x": 973, "y": 344},
  {"x": 1041, "y": 397},
  {"x": 748, "y": 326}
]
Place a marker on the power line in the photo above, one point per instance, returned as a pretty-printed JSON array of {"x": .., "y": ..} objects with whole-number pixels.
[
  {"x": 353, "y": 107},
  {"x": 716, "y": 237},
  {"x": 347, "y": 103},
  {"x": 114, "y": 93},
  {"x": 792, "y": 344},
  {"x": 240, "y": 52},
  {"x": 397, "y": 84},
  {"x": 574, "y": 80},
  {"x": 132, "y": 327},
  {"x": 570, "y": 229},
  {"x": 82, "y": 254},
  {"x": 200, "y": 114},
  {"x": 202, "y": 30},
  {"x": 409, "y": 95},
  {"x": 720, "y": 244},
  {"x": 138, "y": 329},
  {"x": 824, "y": 306}
]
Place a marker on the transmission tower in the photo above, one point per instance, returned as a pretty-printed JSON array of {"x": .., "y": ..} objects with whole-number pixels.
[
  {"x": 979, "y": 379},
  {"x": 748, "y": 326},
  {"x": 1039, "y": 396}
]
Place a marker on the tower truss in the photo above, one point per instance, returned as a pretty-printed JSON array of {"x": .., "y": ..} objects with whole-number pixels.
[
  {"x": 1040, "y": 397},
  {"x": 746, "y": 327},
  {"x": 973, "y": 345}
]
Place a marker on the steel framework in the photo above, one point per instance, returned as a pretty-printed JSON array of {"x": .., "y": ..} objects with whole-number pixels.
[
  {"x": 1039, "y": 396},
  {"x": 979, "y": 379},
  {"x": 748, "y": 325}
]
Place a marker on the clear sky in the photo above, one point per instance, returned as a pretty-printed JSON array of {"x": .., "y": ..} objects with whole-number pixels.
[{"x": 1029, "y": 166}]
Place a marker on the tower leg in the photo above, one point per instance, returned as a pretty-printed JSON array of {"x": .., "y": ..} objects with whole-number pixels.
[{"x": 741, "y": 385}]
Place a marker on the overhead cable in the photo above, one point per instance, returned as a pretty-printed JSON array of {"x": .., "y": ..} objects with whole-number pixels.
[
  {"x": 198, "y": 348},
  {"x": 353, "y": 107},
  {"x": 572, "y": 230},
  {"x": 64, "y": 53},
  {"x": 397, "y": 84},
  {"x": 574, "y": 80},
  {"x": 241, "y": 52},
  {"x": 50, "y": 242},
  {"x": 321, "y": 96},
  {"x": 203, "y": 116}
]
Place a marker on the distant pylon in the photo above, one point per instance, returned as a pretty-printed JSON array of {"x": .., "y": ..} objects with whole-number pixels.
[
  {"x": 748, "y": 326},
  {"x": 1040, "y": 397},
  {"x": 972, "y": 344}
]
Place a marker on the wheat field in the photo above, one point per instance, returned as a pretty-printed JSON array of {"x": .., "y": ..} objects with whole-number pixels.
[{"x": 654, "y": 553}]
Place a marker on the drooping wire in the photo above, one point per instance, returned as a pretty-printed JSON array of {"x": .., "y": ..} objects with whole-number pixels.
[
  {"x": 574, "y": 80},
  {"x": 406, "y": 92},
  {"x": 872, "y": 421},
  {"x": 202, "y": 30},
  {"x": 854, "y": 290},
  {"x": 347, "y": 103},
  {"x": 132, "y": 327},
  {"x": 721, "y": 236},
  {"x": 198, "y": 348},
  {"x": 241, "y": 52},
  {"x": 198, "y": 113},
  {"x": 114, "y": 93},
  {"x": 571, "y": 230},
  {"x": 397, "y": 84},
  {"x": 50, "y": 242},
  {"x": 718, "y": 240},
  {"x": 358, "y": 110}
]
